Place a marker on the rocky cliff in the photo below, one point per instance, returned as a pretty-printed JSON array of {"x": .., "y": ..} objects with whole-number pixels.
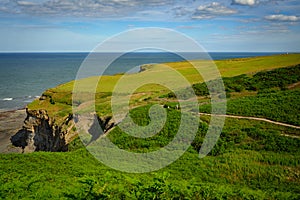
[{"x": 41, "y": 133}]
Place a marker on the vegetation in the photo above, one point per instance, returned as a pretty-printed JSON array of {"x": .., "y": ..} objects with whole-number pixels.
[
  {"x": 263, "y": 82},
  {"x": 251, "y": 160},
  {"x": 282, "y": 106},
  {"x": 61, "y": 95},
  {"x": 271, "y": 99}
]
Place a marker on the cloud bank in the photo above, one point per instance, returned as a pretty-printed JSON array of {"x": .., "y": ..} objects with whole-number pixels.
[
  {"x": 212, "y": 10},
  {"x": 280, "y": 17},
  {"x": 80, "y": 8},
  {"x": 245, "y": 2}
]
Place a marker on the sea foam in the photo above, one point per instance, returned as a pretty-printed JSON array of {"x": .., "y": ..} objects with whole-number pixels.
[{"x": 7, "y": 99}]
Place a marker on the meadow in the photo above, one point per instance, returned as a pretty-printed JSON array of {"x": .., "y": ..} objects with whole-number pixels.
[{"x": 251, "y": 160}]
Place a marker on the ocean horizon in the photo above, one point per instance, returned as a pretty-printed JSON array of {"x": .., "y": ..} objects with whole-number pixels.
[{"x": 25, "y": 76}]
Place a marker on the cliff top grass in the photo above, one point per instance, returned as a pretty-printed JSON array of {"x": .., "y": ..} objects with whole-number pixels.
[
  {"x": 58, "y": 100},
  {"x": 251, "y": 160}
]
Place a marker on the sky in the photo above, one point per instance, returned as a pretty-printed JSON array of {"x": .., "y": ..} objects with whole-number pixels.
[{"x": 218, "y": 25}]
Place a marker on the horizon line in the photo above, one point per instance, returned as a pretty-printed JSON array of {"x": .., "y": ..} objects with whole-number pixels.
[{"x": 3, "y": 52}]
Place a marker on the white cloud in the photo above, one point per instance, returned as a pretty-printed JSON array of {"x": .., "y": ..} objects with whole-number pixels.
[
  {"x": 245, "y": 2},
  {"x": 82, "y": 8},
  {"x": 212, "y": 10},
  {"x": 280, "y": 17},
  {"x": 26, "y": 3}
]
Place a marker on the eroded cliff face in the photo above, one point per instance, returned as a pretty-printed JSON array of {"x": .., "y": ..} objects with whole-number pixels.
[{"x": 41, "y": 133}]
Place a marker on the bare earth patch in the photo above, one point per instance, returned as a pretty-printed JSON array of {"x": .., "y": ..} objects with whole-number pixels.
[{"x": 10, "y": 123}]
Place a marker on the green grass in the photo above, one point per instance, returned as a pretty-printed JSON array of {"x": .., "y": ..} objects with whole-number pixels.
[
  {"x": 59, "y": 98},
  {"x": 251, "y": 160},
  {"x": 235, "y": 67},
  {"x": 243, "y": 167},
  {"x": 281, "y": 106}
]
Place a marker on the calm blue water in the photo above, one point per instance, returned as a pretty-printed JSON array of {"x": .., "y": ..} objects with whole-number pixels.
[{"x": 24, "y": 76}]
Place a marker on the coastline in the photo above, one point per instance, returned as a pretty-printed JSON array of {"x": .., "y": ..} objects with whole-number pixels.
[
  {"x": 2, "y": 110},
  {"x": 11, "y": 121},
  {"x": 20, "y": 85}
]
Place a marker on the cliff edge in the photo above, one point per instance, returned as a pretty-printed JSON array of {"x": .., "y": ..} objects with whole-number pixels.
[{"x": 41, "y": 133}]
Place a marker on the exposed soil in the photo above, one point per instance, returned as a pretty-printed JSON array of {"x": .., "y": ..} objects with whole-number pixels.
[{"x": 10, "y": 123}]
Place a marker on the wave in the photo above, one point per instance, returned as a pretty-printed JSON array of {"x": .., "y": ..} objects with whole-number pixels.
[
  {"x": 26, "y": 99},
  {"x": 13, "y": 103},
  {"x": 29, "y": 99},
  {"x": 7, "y": 99}
]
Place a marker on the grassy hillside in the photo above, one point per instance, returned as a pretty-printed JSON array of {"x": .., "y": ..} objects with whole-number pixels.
[
  {"x": 251, "y": 160},
  {"x": 59, "y": 100},
  {"x": 270, "y": 94}
]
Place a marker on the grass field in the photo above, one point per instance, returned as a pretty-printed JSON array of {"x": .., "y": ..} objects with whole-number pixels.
[
  {"x": 251, "y": 160},
  {"x": 61, "y": 96}
]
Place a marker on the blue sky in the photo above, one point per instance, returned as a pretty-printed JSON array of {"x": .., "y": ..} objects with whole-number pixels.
[{"x": 219, "y": 25}]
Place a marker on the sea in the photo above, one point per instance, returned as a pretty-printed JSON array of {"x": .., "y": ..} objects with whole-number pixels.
[{"x": 25, "y": 76}]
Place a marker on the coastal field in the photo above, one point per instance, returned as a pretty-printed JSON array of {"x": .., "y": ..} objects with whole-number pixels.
[
  {"x": 61, "y": 96},
  {"x": 256, "y": 157}
]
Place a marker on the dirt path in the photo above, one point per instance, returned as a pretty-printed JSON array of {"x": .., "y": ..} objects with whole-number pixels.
[{"x": 255, "y": 118}]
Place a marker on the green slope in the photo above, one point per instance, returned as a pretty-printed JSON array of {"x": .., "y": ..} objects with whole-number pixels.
[{"x": 252, "y": 159}]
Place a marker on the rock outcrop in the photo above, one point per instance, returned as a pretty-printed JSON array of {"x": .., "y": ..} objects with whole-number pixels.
[
  {"x": 106, "y": 123},
  {"x": 41, "y": 133}
]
